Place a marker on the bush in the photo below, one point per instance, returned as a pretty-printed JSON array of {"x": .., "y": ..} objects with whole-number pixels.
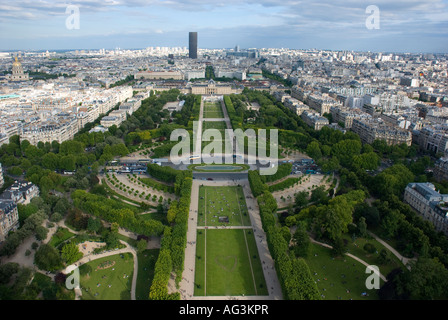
[{"x": 370, "y": 248}]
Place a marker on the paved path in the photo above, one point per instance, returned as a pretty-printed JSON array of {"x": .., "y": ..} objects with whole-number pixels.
[
  {"x": 90, "y": 257},
  {"x": 308, "y": 181},
  {"x": 349, "y": 255},
  {"x": 187, "y": 284},
  {"x": 404, "y": 260}
]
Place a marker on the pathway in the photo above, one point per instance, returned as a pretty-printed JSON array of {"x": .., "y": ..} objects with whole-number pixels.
[
  {"x": 187, "y": 283},
  {"x": 404, "y": 260},
  {"x": 347, "y": 254}
]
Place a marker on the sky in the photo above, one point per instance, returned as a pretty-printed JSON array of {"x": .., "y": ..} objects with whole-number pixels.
[{"x": 393, "y": 26}]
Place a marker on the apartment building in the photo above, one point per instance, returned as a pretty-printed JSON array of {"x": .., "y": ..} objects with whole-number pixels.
[
  {"x": 9, "y": 218},
  {"x": 429, "y": 203},
  {"x": 314, "y": 119},
  {"x": 56, "y": 129},
  {"x": 370, "y": 130},
  {"x": 322, "y": 104},
  {"x": 441, "y": 169},
  {"x": 20, "y": 192},
  {"x": 2, "y": 181},
  {"x": 159, "y": 75},
  {"x": 432, "y": 139},
  {"x": 342, "y": 116}
]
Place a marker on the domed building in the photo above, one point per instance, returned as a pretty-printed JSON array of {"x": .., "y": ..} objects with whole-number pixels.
[{"x": 17, "y": 72}]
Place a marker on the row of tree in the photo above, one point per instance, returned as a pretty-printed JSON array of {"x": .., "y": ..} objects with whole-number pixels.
[
  {"x": 174, "y": 240},
  {"x": 113, "y": 211},
  {"x": 294, "y": 274}
]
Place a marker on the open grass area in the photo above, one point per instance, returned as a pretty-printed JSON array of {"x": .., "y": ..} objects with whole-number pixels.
[
  {"x": 227, "y": 263},
  {"x": 213, "y": 110},
  {"x": 221, "y": 127},
  {"x": 357, "y": 249},
  {"x": 215, "y": 202},
  {"x": 61, "y": 235},
  {"x": 108, "y": 278},
  {"x": 154, "y": 215},
  {"x": 341, "y": 278},
  {"x": 146, "y": 262}
]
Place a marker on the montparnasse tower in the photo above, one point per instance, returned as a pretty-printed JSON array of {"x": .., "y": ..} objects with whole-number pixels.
[{"x": 17, "y": 72}]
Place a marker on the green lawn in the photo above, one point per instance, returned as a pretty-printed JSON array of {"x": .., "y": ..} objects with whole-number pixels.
[
  {"x": 215, "y": 202},
  {"x": 227, "y": 263},
  {"x": 61, "y": 235},
  {"x": 213, "y": 110},
  {"x": 220, "y": 126},
  {"x": 146, "y": 262},
  {"x": 118, "y": 277},
  {"x": 341, "y": 278},
  {"x": 356, "y": 248}
]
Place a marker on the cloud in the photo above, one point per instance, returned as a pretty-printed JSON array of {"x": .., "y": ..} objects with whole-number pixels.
[{"x": 259, "y": 22}]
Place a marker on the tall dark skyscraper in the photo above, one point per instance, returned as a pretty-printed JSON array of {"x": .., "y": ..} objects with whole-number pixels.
[{"x": 193, "y": 45}]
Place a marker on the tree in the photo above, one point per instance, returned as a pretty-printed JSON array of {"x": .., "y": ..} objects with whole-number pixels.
[
  {"x": 301, "y": 199},
  {"x": 7, "y": 270},
  {"x": 47, "y": 258},
  {"x": 313, "y": 150},
  {"x": 345, "y": 151},
  {"x": 141, "y": 245},
  {"x": 427, "y": 280},
  {"x": 319, "y": 195},
  {"x": 41, "y": 233},
  {"x": 390, "y": 222},
  {"x": 172, "y": 212},
  {"x": 301, "y": 242},
  {"x": 366, "y": 161},
  {"x": 362, "y": 227},
  {"x": 338, "y": 247},
  {"x": 93, "y": 224},
  {"x": 112, "y": 240},
  {"x": 70, "y": 253}
]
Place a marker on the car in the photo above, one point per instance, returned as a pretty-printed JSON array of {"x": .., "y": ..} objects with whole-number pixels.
[{"x": 210, "y": 179}]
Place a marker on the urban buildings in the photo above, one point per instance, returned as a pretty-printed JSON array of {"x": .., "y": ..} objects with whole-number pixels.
[
  {"x": 370, "y": 129},
  {"x": 20, "y": 192},
  {"x": 314, "y": 120},
  {"x": 2, "y": 181},
  {"x": 441, "y": 169},
  {"x": 429, "y": 203},
  {"x": 17, "y": 72},
  {"x": 9, "y": 218}
]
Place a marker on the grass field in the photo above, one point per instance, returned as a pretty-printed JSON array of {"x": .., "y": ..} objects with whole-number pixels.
[
  {"x": 111, "y": 283},
  {"x": 341, "y": 278},
  {"x": 146, "y": 262},
  {"x": 222, "y": 201},
  {"x": 220, "y": 126},
  {"x": 227, "y": 263},
  {"x": 213, "y": 110},
  {"x": 61, "y": 235}
]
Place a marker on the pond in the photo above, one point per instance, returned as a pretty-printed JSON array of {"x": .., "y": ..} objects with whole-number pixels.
[{"x": 218, "y": 168}]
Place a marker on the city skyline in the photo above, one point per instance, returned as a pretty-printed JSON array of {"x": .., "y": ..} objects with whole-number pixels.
[{"x": 404, "y": 26}]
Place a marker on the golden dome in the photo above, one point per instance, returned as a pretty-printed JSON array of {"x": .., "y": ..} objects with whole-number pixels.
[{"x": 16, "y": 63}]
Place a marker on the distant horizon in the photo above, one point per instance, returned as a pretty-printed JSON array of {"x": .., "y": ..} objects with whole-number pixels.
[{"x": 223, "y": 48}]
